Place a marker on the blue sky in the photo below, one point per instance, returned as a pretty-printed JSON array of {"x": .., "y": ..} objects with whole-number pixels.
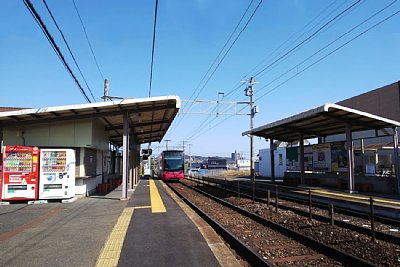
[{"x": 190, "y": 34}]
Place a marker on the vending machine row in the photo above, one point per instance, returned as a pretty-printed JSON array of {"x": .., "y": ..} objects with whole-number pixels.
[{"x": 30, "y": 173}]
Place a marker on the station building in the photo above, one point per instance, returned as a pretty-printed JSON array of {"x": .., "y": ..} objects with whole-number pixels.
[
  {"x": 106, "y": 136},
  {"x": 369, "y": 120}
]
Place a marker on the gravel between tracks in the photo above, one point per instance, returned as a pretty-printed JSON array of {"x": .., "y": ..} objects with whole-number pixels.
[
  {"x": 273, "y": 246},
  {"x": 379, "y": 252}
]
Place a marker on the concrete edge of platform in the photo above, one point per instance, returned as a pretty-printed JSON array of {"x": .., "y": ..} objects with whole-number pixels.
[{"x": 221, "y": 251}]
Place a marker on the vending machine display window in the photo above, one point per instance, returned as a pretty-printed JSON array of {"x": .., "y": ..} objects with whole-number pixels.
[
  {"x": 20, "y": 173},
  {"x": 57, "y": 174}
]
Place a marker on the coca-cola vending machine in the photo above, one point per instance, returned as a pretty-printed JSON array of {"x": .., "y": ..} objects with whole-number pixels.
[
  {"x": 20, "y": 168},
  {"x": 1, "y": 173}
]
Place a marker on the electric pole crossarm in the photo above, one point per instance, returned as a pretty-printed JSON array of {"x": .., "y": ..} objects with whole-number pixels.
[{"x": 213, "y": 107}]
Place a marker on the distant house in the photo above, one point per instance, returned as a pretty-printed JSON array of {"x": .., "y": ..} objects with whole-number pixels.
[
  {"x": 196, "y": 165},
  {"x": 242, "y": 164},
  {"x": 217, "y": 163}
]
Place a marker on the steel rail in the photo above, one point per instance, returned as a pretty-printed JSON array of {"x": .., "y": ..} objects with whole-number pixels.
[
  {"x": 302, "y": 200},
  {"x": 378, "y": 234},
  {"x": 325, "y": 249}
]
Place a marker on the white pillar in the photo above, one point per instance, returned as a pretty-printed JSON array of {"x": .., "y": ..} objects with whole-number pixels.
[
  {"x": 125, "y": 156},
  {"x": 350, "y": 156},
  {"x": 301, "y": 159},
  {"x": 131, "y": 155},
  {"x": 396, "y": 157},
  {"x": 363, "y": 166},
  {"x": 272, "y": 156},
  {"x": 137, "y": 163}
]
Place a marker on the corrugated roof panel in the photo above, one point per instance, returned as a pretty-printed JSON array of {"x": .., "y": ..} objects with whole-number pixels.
[
  {"x": 325, "y": 120},
  {"x": 154, "y": 114}
]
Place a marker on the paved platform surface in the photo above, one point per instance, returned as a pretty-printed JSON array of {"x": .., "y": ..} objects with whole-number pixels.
[
  {"x": 162, "y": 238},
  {"x": 57, "y": 234},
  {"x": 152, "y": 228}
]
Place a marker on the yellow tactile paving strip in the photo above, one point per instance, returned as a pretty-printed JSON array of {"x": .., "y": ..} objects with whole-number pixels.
[
  {"x": 109, "y": 255},
  {"x": 111, "y": 251},
  {"x": 357, "y": 197},
  {"x": 338, "y": 194},
  {"x": 157, "y": 204}
]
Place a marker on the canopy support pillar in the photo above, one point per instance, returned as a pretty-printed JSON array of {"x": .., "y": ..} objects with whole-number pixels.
[
  {"x": 301, "y": 159},
  {"x": 350, "y": 156},
  {"x": 272, "y": 156},
  {"x": 363, "y": 168},
  {"x": 125, "y": 156},
  {"x": 137, "y": 163},
  {"x": 396, "y": 157}
]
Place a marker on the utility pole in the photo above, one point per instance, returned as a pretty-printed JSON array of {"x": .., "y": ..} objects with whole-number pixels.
[
  {"x": 190, "y": 156},
  {"x": 183, "y": 149},
  {"x": 166, "y": 141},
  {"x": 223, "y": 95},
  {"x": 183, "y": 146},
  {"x": 249, "y": 91},
  {"x": 106, "y": 93}
]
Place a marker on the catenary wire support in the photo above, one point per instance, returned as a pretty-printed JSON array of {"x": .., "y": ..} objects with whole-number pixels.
[
  {"x": 249, "y": 91},
  {"x": 212, "y": 107}
]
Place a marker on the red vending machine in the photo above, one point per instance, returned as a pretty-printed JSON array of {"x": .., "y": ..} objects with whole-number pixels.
[
  {"x": 1, "y": 173},
  {"x": 20, "y": 173}
]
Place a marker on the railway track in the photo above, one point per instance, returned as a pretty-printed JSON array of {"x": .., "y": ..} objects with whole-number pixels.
[
  {"x": 384, "y": 229},
  {"x": 300, "y": 195},
  {"x": 361, "y": 245},
  {"x": 259, "y": 241}
]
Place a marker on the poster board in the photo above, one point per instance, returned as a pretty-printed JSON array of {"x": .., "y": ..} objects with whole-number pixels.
[
  {"x": 292, "y": 159},
  {"x": 308, "y": 158},
  {"x": 322, "y": 157},
  {"x": 339, "y": 157}
]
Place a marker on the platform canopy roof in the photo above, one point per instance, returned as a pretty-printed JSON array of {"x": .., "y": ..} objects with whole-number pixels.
[
  {"x": 149, "y": 118},
  {"x": 329, "y": 119}
]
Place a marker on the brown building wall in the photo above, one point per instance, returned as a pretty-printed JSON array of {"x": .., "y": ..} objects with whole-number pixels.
[
  {"x": 4, "y": 109},
  {"x": 384, "y": 101}
]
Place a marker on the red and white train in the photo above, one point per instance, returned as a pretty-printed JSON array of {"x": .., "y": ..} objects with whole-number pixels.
[{"x": 172, "y": 165}]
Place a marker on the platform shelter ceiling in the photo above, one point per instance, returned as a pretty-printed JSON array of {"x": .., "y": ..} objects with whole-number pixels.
[
  {"x": 326, "y": 120},
  {"x": 149, "y": 118}
]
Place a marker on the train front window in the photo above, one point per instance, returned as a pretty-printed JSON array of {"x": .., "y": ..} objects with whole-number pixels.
[{"x": 173, "y": 163}]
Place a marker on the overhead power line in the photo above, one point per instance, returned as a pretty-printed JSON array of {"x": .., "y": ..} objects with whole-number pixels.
[
  {"x": 329, "y": 44},
  {"x": 222, "y": 49},
  {"x": 205, "y": 130},
  {"x": 50, "y": 38},
  {"x": 69, "y": 49},
  {"x": 152, "y": 50},
  {"x": 87, "y": 39},
  {"x": 235, "y": 91},
  {"x": 229, "y": 49},
  {"x": 200, "y": 131},
  {"x": 223, "y": 57},
  {"x": 308, "y": 38},
  {"x": 254, "y": 69},
  {"x": 210, "y": 126},
  {"x": 330, "y": 53}
]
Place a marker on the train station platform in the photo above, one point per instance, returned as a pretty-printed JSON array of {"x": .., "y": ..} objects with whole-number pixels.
[
  {"x": 158, "y": 229},
  {"x": 152, "y": 228}
]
